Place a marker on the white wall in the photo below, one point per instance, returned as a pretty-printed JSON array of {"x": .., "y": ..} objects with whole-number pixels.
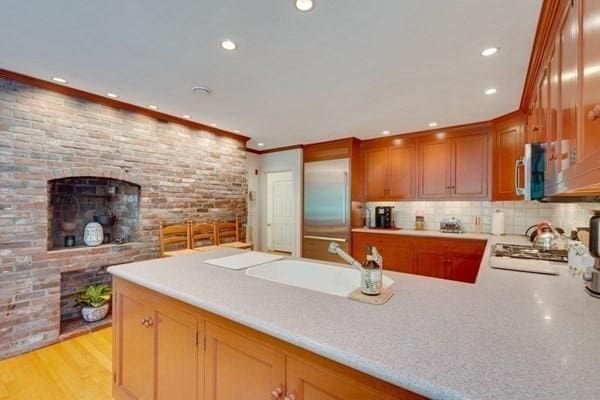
[
  {"x": 252, "y": 166},
  {"x": 290, "y": 160}
]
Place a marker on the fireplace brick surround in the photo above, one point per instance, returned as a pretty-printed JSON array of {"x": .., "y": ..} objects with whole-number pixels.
[{"x": 182, "y": 173}]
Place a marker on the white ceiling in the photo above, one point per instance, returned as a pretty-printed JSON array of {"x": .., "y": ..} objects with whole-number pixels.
[{"x": 346, "y": 68}]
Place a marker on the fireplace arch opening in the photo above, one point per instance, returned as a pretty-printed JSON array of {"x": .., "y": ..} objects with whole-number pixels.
[{"x": 75, "y": 202}]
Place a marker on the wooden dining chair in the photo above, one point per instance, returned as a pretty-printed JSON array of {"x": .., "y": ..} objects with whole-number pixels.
[
  {"x": 203, "y": 237},
  {"x": 230, "y": 232},
  {"x": 174, "y": 239}
]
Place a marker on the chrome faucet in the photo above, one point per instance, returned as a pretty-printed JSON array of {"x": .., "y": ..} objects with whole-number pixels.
[{"x": 334, "y": 248}]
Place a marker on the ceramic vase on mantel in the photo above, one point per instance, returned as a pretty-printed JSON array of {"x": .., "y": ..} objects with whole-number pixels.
[{"x": 93, "y": 234}]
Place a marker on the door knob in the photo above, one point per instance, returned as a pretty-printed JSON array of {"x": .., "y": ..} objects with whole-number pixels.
[{"x": 277, "y": 392}]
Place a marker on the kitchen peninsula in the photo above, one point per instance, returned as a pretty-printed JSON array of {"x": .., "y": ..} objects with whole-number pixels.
[{"x": 510, "y": 335}]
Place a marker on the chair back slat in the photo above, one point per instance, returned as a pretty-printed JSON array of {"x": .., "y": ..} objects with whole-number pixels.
[
  {"x": 227, "y": 230},
  {"x": 202, "y": 233},
  {"x": 176, "y": 234}
]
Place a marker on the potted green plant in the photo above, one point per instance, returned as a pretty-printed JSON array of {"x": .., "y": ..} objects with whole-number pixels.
[{"x": 95, "y": 301}]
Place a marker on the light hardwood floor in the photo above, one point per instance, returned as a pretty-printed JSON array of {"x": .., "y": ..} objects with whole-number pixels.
[{"x": 77, "y": 369}]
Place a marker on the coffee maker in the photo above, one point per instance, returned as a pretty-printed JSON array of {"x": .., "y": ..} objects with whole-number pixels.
[
  {"x": 383, "y": 217},
  {"x": 593, "y": 278}
]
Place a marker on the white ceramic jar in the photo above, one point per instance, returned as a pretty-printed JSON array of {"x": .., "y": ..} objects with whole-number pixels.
[{"x": 93, "y": 234}]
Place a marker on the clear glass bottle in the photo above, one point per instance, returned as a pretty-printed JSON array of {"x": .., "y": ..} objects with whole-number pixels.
[{"x": 371, "y": 276}]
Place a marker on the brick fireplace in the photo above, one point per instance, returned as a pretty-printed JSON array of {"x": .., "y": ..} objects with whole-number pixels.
[{"x": 133, "y": 166}]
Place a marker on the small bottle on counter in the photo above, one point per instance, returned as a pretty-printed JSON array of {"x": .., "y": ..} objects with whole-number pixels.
[
  {"x": 419, "y": 221},
  {"x": 371, "y": 274}
]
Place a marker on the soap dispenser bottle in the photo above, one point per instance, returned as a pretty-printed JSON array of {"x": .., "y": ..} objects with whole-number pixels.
[{"x": 371, "y": 274}]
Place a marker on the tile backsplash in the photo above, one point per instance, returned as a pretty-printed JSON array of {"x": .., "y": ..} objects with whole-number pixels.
[{"x": 518, "y": 215}]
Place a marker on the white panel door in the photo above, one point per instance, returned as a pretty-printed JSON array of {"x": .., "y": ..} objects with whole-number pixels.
[{"x": 281, "y": 212}]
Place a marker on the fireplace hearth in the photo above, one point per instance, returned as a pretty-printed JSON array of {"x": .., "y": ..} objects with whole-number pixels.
[{"x": 74, "y": 202}]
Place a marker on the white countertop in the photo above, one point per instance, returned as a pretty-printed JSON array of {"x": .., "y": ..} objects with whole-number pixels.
[{"x": 512, "y": 335}]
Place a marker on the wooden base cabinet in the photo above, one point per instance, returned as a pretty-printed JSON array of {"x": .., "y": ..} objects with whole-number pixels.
[
  {"x": 444, "y": 258},
  {"x": 155, "y": 349},
  {"x": 168, "y": 350},
  {"x": 240, "y": 368}
]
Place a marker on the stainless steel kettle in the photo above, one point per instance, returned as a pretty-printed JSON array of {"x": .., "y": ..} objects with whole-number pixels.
[{"x": 547, "y": 237}]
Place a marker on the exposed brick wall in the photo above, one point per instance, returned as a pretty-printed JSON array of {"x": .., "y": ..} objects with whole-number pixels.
[{"x": 183, "y": 173}]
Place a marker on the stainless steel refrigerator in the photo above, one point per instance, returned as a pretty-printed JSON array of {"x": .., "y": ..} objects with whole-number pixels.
[{"x": 326, "y": 207}]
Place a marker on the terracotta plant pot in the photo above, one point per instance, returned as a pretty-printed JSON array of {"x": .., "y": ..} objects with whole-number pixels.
[{"x": 93, "y": 314}]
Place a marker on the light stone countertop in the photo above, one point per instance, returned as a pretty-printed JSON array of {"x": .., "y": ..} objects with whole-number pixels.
[{"x": 511, "y": 335}]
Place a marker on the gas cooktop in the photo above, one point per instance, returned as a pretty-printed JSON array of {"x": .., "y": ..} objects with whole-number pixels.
[{"x": 529, "y": 253}]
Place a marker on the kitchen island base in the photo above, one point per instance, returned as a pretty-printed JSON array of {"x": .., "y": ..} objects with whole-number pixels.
[{"x": 168, "y": 349}]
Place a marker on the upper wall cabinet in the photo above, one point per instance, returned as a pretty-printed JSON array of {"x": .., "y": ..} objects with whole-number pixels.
[
  {"x": 390, "y": 172},
  {"x": 453, "y": 167},
  {"x": 565, "y": 109},
  {"x": 508, "y": 144},
  {"x": 589, "y": 149}
]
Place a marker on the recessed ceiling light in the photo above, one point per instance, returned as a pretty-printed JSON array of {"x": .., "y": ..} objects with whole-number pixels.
[
  {"x": 236, "y": 131},
  {"x": 59, "y": 80},
  {"x": 213, "y": 124},
  {"x": 304, "y": 5},
  {"x": 228, "y": 44},
  {"x": 153, "y": 107},
  {"x": 490, "y": 51},
  {"x": 186, "y": 116},
  {"x": 260, "y": 144},
  {"x": 432, "y": 124},
  {"x": 112, "y": 95},
  {"x": 491, "y": 91},
  {"x": 385, "y": 132}
]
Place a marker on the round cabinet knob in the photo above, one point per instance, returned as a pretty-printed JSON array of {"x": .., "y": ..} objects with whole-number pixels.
[
  {"x": 276, "y": 393},
  {"x": 594, "y": 113},
  {"x": 290, "y": 397}
]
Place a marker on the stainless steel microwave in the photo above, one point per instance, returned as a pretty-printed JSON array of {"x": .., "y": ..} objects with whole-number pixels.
[{"x": 533, "y": 167}]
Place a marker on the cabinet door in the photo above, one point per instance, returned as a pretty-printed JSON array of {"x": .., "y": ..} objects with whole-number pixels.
[
  {"x": 464, "y": 258},
  {"x": 589, "y": 149},
  {"x": 431, "y": 263},
  {"x": 434, "y": 169},
  {"x": 397, "y": 253},
  {"x": 237, "y": 367},
  {"x": 430, "y": 257},
  {"x": 402, "y": 172},
  {"x": 569, "y": 35},
  {"x": 543, "y": 108},
  {"x": 376, "y": 174},
  {"x": 470, "y": 170},
  {"x": 134, "y": 350},
  {"x": 176, "y": 351},
  {"x": 533, "y": 121},
  {"x": 552, "y": 134},
  {"x": 463, "y": 267},
  {"x": 306, "y": 381},
  {"x": 508, "y": 148}
]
